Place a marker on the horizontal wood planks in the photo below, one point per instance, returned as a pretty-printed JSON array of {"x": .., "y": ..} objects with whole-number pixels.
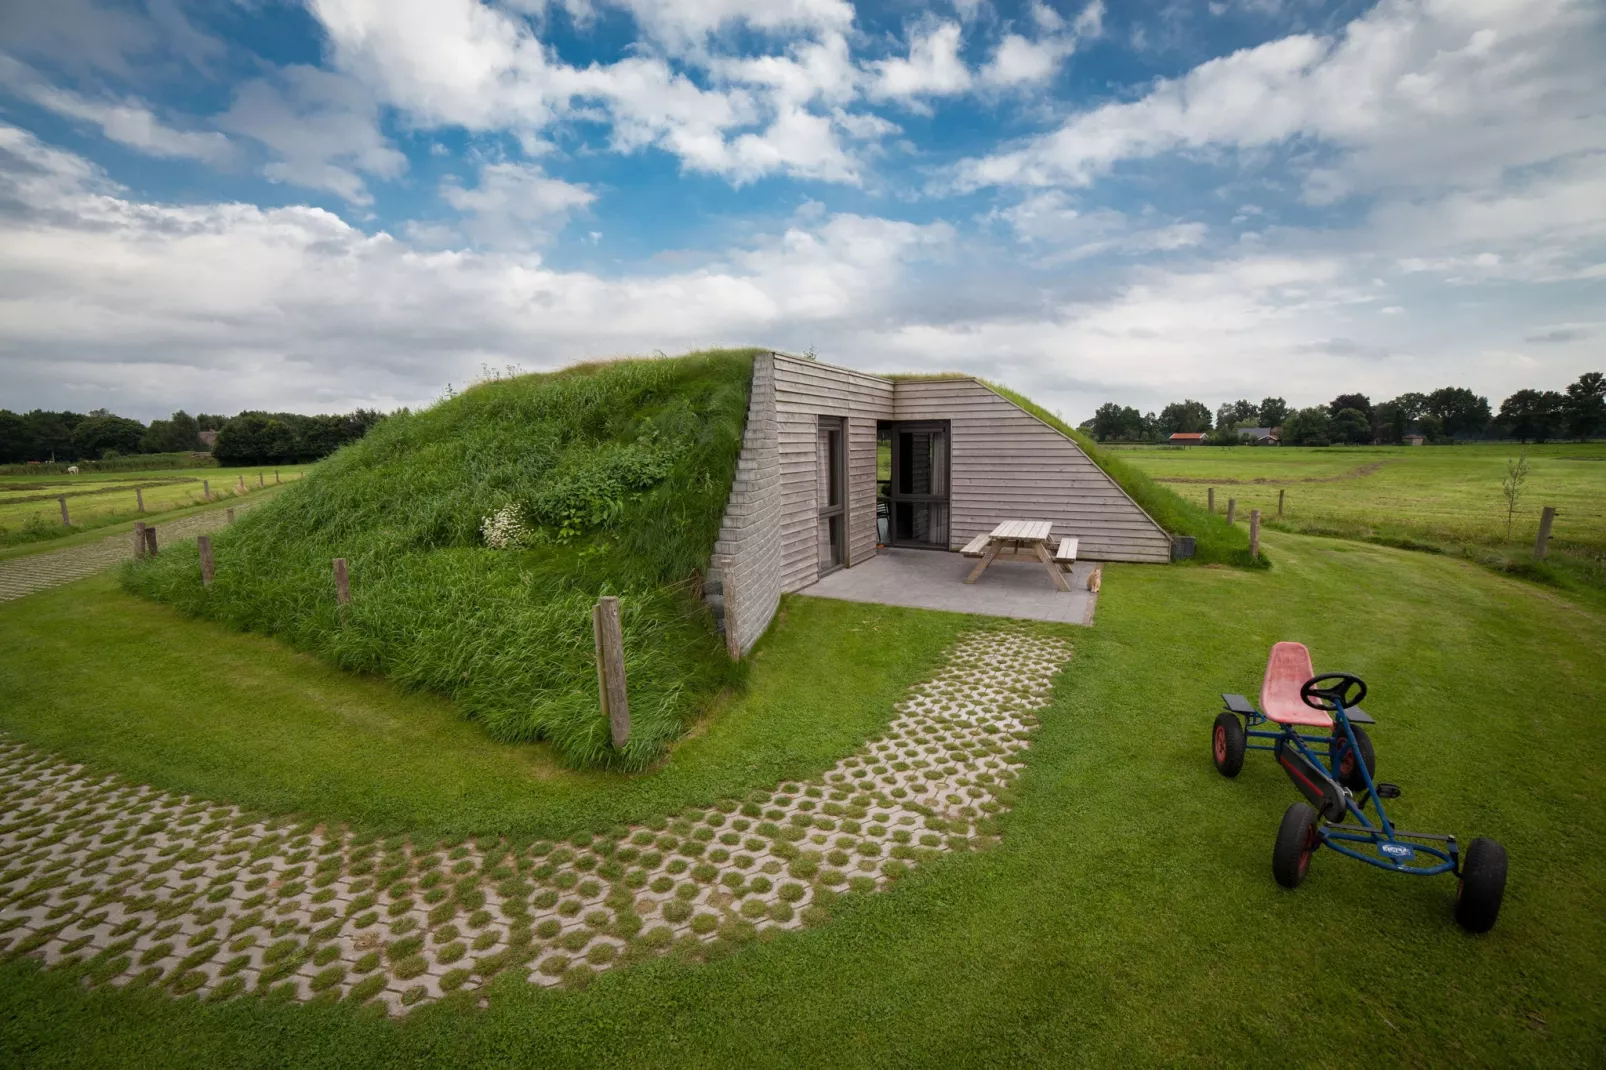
[
  {"x": 805, "y": 390},
  {"x": 1007, "y": 464}
]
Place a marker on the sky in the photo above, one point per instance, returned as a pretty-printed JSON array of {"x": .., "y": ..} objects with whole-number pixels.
[{"x": 320, "y": 205}]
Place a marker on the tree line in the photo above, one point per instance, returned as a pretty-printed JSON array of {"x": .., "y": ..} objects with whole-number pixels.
[
  {"x": 1444, "y": 415},
  {"x": 248, "y": 438}
]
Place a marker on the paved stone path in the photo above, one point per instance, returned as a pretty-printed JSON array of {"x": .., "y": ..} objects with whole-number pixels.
[
  {"x": 135, "y": 886},
  {"x": 35, "y": 572}
]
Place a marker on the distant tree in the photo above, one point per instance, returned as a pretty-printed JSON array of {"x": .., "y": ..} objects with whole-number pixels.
[
  {"x": 1273, "y": 411},
  {"x": 1114, "y": 422},
  {"x": 1185, "y": 417},
  {"x": 101, "y": 432},
  {"x": 1359, "y": 402},
  {"x": 1412, "y": 404},
  {"x": 1352, "y": 426},
  {"x": 1459, "y": 410},
  {"x": 1586, "y": 406},
  {"x": 208, "y": 422},
  {"x": 1533, "y": 415},
  {"x": 282, "y": 438},
  {"x": 1390, "y": 422},
  {"x": 50, "y": 435},
  {"x": 1238, "y": 413},
  {"x": 176, "y": 434},
  {"x": 1308, "y": 427},
  {"x": 14, "y": 438}
]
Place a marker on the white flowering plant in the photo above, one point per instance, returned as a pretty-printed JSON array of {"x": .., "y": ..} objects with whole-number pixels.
[{"x": 505, "y": 529}]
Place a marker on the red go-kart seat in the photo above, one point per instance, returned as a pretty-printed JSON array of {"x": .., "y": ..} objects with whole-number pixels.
[{"x": 1286, "y": 671}]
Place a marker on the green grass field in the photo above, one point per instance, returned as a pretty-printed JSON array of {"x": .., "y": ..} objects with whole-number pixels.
[
  {"x": 1442, "y": 497},
  {"x": 30, "y": 512},
  {"x": 1129, "y": 916}
]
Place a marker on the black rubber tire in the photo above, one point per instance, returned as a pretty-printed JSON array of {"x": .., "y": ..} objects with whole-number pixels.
[
  {"x": 1227, "y": 744},
  {"x": 1482, "y": 887},
  {"x": 1297, "y": 839},
  {"x": 1349, "y": 774}
]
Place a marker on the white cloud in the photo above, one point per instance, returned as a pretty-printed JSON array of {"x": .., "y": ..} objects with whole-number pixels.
[
  {"x": 680, "y": 22},
  {"x": 127, "y": 122},
  {"x": 516, "y": 204},
  {"x": 1050, "y": 219},
  {"x": 1411, "y": 92},
  {"x": 294, "y": 307},
  {"x": 933, "y": 66},
  {"x": 322, "y": 128}
]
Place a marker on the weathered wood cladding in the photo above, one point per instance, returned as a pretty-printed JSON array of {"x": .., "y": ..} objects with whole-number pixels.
[
  {"x": 805, "y": 390},
  {"x": 1006, "y": 464}
]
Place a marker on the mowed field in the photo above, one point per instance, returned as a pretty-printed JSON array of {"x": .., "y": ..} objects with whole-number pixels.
[
  {"x": 30, "y": 511},
  {"x": 1449, "y": 493}
]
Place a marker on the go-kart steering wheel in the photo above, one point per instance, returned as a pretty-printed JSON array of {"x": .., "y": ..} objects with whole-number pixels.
[{"x": 1330, "y": 689}]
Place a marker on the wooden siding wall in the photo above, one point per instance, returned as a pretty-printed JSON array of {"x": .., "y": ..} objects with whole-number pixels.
[
  {"x": 1008, "y": 465},
  {"x": 805, "y": 390}
]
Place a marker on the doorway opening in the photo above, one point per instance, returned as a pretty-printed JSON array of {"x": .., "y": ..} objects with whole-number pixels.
[{"x": 912, "y": 483}]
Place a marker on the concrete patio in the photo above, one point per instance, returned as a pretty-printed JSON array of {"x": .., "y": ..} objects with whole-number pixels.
[{"x": 934, "y": 579}]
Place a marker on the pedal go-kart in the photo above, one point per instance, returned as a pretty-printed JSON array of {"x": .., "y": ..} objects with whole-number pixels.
[{"x": 1293, "y": 698}]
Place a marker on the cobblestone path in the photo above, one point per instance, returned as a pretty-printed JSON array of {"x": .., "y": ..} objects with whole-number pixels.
[
  {"x": 134, "y": 886},
  {"x": 35, "y": 572}
]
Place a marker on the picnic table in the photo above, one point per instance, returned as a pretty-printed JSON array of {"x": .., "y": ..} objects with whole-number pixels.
[{"x": 1021, "y": 540}]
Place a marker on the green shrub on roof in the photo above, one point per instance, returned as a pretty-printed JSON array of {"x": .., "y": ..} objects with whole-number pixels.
[{"x": 600, "y": 479}]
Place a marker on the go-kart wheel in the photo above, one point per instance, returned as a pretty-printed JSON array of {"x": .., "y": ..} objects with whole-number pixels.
[
  {"x": 1349, "y": 774},
  {"x": 1227, "y": 744},
  {"x": 1297, "y": 839},
  {"x": 1482, "y": 887}
]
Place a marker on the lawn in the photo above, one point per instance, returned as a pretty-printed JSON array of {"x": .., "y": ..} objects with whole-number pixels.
[
  {"x": 347, "y": 748},
  {"x": 1128, "y": 917},
  {"x": 30, "y": 512},
  {"x": 1446, "y": 497}
]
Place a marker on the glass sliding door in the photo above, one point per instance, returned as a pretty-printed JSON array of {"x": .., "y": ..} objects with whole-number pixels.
[
  {"x": 832, "y": 486},
  {"x": 913, "y": 510}
]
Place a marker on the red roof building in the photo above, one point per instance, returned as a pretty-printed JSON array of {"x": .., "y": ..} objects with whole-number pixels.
[{"x": 1185, "y": 438}]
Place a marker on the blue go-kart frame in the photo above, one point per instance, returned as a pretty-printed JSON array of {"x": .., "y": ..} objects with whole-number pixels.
[{"x": 1335, "y": 773}]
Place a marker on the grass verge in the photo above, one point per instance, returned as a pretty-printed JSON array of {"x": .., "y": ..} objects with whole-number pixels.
[
  {"x": 136, "y": 688},
  {"x": 1129, "y": 916}
]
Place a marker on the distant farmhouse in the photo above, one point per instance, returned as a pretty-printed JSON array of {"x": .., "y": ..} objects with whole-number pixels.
[{"x": 1260, "y": 436}]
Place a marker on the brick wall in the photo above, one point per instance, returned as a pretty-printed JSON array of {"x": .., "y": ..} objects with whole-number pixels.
[{"x": 744, "y": 577}]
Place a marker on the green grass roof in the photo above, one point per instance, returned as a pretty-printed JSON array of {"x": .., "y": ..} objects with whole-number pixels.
[{"x": 620, "y": 473}]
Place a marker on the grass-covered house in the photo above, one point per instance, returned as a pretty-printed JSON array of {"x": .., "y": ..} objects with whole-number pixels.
[{"x": 837, "y": 462}]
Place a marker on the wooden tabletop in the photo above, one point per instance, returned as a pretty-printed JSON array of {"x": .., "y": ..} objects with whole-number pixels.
[{"x": 1023, "y": 530}]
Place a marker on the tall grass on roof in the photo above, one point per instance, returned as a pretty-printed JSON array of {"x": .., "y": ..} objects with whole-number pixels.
[{"x": 619, "y": 474}]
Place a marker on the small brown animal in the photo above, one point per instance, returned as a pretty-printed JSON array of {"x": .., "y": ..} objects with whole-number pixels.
[{"x": 1095, "y": 578}]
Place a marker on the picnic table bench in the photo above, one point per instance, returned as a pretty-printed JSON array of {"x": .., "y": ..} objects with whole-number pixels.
[{"x": 1022, "y": 540}]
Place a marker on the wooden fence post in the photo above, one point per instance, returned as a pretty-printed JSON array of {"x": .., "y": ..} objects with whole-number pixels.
[
  {"x": 261, "y": 480},
  {"x": 66, "y": 523},
  {"x": 275, "y": 475},
  {"x": 229, "y": 513},
  {"x": 1280, "y": 494},
  {"x": 727, "y": 586},
  {"x": 139, "y": 499},
  {"x": 1254, "y": 534},
  {"x": 150, "y": 542},
  {"x": 206, "y": 489},
  {"x": 342, "y": 586},
  {"x": 241, "y": 478},
  {"x": 139, "y": 539},
  {"x": 611, "y": 667},
  {"x": 203, "y": 543},
  {"x": 1542, "y": 543},
  {"x": 1210, "y": 497},
  {"x": 1232, "y": 509}
]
